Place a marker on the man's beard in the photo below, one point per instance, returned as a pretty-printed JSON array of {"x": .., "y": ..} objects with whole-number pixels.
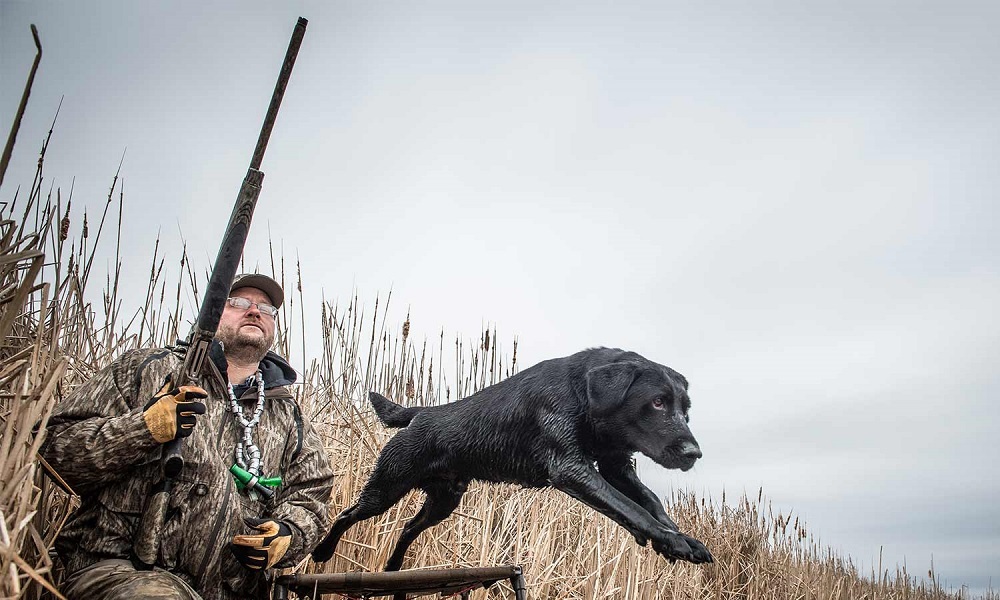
[{"x": 243, "y": 348}]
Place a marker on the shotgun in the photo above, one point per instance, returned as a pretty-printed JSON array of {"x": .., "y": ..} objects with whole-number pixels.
[{"x": 147, "y": 542}]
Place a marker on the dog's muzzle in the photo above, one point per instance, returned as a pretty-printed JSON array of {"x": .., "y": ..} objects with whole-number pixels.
[{"x": 688, "y": 453}]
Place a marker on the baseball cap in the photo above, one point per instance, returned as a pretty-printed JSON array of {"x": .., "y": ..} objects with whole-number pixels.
[{"x": 262, "y": 283}]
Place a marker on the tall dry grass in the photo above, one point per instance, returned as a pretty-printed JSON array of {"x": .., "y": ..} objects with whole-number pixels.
[{"x": 52, "y": 338}]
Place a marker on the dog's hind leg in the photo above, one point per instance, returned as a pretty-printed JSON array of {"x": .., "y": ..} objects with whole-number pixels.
[
  {"x": 443, "y": 497},
  {"x": 374, "y": 500},
  {"x": 392, "y": 478}
]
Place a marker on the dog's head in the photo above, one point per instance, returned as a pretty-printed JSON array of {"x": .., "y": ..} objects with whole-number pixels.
[{"x": 644, "y": 405}]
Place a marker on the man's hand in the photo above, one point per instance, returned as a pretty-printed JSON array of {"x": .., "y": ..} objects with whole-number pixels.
[
  {"x": 263, "y": 550},
  {"x": 171, "y": 412}
]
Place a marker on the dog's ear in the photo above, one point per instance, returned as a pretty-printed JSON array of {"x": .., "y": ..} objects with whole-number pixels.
[{"x": 607, "y": 386}]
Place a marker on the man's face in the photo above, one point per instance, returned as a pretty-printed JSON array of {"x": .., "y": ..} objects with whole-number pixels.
[{"x": 246, "y": 333}]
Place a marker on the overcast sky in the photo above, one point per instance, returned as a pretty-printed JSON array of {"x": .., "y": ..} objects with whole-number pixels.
[{"x": 793, "y": 204}]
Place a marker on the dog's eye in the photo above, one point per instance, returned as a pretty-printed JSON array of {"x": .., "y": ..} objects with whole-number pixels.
[{"x": 658, "y": 403}]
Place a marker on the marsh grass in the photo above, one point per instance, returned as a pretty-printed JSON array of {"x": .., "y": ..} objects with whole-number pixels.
[{"x": 52, "y": 338}]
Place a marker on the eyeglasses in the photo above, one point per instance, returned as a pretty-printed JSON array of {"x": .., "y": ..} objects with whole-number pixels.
[{"x": 244, "y": 304}]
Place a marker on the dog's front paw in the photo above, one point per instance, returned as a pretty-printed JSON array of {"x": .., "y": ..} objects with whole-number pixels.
[
  {"x": 698, "y": 550},
  {"x": 677, "y": 546},
  {"x": 672, "y": 546}
]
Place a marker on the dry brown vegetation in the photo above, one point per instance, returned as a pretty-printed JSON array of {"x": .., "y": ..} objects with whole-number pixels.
[{"x": 52, "y": 338}]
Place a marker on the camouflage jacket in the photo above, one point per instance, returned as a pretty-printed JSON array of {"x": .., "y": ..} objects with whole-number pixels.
[{"x": 98, "y": 442}]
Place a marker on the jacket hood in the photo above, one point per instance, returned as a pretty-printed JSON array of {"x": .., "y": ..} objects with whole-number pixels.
[{"x": 276, "y": 371}]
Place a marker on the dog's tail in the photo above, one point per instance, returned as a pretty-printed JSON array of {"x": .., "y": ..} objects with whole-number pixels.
[{"x": 390, "y": 413}]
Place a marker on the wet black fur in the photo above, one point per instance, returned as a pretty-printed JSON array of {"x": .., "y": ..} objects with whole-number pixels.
[{"x": 572, "y": 423}]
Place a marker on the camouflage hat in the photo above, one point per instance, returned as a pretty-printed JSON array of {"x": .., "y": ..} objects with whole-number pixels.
[{"x": 262, "y": 283}]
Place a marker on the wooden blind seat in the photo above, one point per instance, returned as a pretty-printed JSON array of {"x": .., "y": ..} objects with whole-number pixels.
[{"x": 399, "y": 583}]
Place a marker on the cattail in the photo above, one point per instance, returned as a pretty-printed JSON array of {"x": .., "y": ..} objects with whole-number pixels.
[
  {"x": 64, "y": 228},
  {"x": 406, "y": 327},
  {"x": 85, "y": 230}
]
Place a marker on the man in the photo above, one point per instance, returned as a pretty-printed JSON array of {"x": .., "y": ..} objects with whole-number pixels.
[{"x": 219, "y": 538}]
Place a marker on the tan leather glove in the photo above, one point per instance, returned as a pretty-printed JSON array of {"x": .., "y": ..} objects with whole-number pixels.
[
  {"x": 261, "y": 551},
  {"x": 171, "y": 412}
]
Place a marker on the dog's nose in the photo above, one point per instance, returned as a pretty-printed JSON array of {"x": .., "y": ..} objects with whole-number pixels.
[{"x": 690, "y": 450}]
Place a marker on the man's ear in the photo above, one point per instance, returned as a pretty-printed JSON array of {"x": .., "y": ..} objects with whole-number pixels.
[{"x": 607, "y": 386}]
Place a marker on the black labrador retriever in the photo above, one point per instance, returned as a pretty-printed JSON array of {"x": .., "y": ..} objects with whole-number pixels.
[{"x": 548, "y": 425}]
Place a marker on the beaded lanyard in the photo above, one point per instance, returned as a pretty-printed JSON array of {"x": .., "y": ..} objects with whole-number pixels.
[{"x": 246, "y": 449}]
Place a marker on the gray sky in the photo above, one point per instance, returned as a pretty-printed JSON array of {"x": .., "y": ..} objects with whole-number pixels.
[{"x": 791, "y": 203}]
